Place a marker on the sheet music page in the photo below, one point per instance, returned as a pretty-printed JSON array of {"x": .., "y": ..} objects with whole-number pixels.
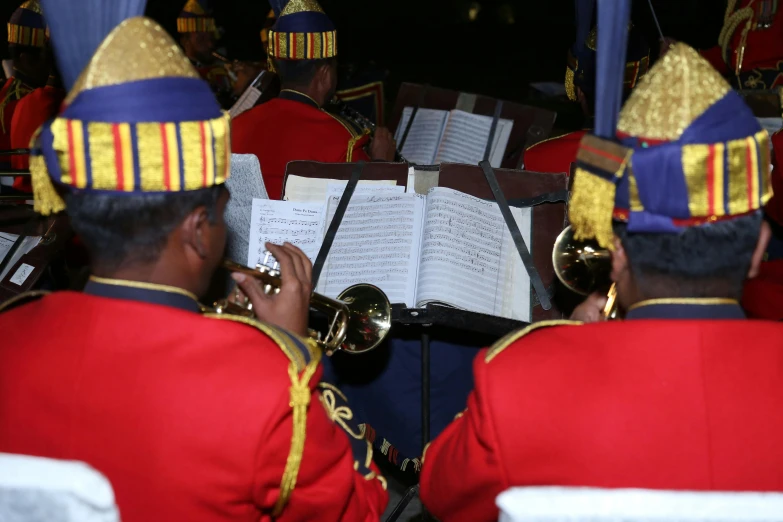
[
  {"x": 336, "y": 189},
  {"x": 303, "y": 189},
  {"x": 421, "y": 146},
  {"x": 465, "y": 139},
  {"x": 300, "y": 224},
  {"x": 7, "y": 241},
  {"x": 248, "y": 99},
  {"x": 465, "y": 257},
  {"x": 378, "y": 243}
]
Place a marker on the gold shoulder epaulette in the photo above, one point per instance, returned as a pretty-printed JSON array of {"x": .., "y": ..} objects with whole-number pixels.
[
  {"x": 354, "y": 135},
  {"x": 304, "y": 357},
  {"x": 351, "y": 130},
  {"x": 300, "y": 352},
  {"x": 21, "y": 299},
  {"x": 515, "y": 336},
  {"x": 551, "y": 138}
]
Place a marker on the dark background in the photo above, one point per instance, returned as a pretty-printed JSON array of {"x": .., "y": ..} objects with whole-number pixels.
[{"x": 509, "y": 44}]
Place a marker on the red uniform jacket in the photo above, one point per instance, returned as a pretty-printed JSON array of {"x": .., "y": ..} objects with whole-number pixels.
[
  {"x": 31, "y": 112},
  {"x": 688, "y": 404},
  {"x": 763, "y": 48},
  {"x": 289, "y": 128},
  {"x": 12, "y": 91},
  {"x": 188, "y": 416},
  {"x": 763, "y": 296},
  {"x": 554, "y": 155}
]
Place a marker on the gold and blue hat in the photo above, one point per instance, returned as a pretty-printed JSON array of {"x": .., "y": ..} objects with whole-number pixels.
[
  {"x": 302, "y": 32},
  {"x": 687, "y": 152},
  {"x": 138, "y": 120},
  {"x": 196, "y": 17},
  {"x": 27, "y": 26}
]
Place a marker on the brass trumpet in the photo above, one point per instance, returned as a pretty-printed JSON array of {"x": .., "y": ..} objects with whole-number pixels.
[
  {"x": 584, "y": 267},
  {"x": 359, "y": 319}
]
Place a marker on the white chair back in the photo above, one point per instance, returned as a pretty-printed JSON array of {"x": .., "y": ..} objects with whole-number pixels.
[
  {"x": 34, "y": 489},
  {"x": 555, "y": 504}
]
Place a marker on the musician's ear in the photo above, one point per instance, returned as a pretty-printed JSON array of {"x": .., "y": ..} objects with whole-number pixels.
[
  {"x": 203, "y": 232},
  {"x": 620, "y": 268},
  {"x": 765, "y": 235}
]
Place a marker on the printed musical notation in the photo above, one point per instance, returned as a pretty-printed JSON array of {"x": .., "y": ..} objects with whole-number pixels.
[
  {"x": 467, "y": 257},
  {"x": 277, "y": 222},
  {"x": 423, "y": 139},
  {"x": 378, "y": 243}
]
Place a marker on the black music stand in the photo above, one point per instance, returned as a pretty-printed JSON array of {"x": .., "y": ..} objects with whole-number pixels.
[{"x": 545, "y": 193}]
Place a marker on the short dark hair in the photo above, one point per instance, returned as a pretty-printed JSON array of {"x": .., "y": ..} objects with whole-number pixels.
[
  {"x": 133, "y": 229},
  {"x": 705, "y": 261},
  {"x": 299, "y": 72}
]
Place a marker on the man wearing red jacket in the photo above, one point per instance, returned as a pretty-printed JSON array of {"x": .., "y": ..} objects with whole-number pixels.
[
  {"x": 557, "y": 154},
  {"x": 750, "y": 45},
  {"x": 191, "y": 415},
  {"x": 27, "y": 43},
  {"x": 31, "y": 112},
  {"x": 303, "y": 51},
  {"x": 684, "y": 393}
]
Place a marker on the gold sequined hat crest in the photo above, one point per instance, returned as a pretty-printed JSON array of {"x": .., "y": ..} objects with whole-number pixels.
[
  {"x": 690, "y": 152},
  {"x": 138, "y": 120}
]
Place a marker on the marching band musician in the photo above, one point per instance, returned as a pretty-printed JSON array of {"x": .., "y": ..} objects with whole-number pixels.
[
  {"x": 31, "y": 112},
  {"x": 684, "y": 394},
  {"x": 303, "y": 52},
  {"x": 750, "y": 47},
  {"x": 191, "y": 417},
  {"x": 197, "y": 33},
  {"x": 557, "y": 154},
  {"x": 27, "y": 43}
]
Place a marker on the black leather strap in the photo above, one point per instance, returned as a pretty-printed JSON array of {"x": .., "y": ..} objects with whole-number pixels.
[
  {"x": 334, "y": 226},
  {"x": 493, "y": 129},
  {"x": 516, "y": 235}
]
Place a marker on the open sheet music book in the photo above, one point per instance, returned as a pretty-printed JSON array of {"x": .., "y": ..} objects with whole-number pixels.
[
  {"x": 452, "y": 137},
  {"x": 446, "y": 247}
]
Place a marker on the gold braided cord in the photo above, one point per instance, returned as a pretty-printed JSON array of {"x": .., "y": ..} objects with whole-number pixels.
[
  {"x": 16, "y": 91},
  {"x": 300, "y": 400},
  {"x": 732, "y": 21},
  {"x": 46, "y": 200},
  {"x": 569, "y": 85}
]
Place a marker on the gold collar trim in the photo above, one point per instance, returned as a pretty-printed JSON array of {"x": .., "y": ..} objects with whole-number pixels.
[
  {"x": 685, "y": 301},
  {"x": 144, "y": 286},
  {"x": 302, "y": 94}
]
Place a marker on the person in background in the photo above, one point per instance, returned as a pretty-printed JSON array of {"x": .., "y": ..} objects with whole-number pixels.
[
  {"x": 197, "y": 35},
  {"x": 556, "y": 155},
  {"x": 750, "y": 47},
  {"x": 27, "y": 43},
  {"x": 136, "y": 380},
  {"x": 31, "y": 112},
  {"x": 684, "y": 393},
  {"x": 303, "y": 52}
]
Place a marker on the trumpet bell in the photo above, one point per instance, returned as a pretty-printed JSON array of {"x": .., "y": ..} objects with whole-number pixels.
[
  {"x": 582, "y": 266},
  {"x": 369, "y": 318}
]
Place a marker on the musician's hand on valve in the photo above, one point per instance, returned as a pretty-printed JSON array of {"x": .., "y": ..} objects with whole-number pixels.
[
  {"x": 288, "y": 309},
  {"x": 591, "y": 310},
  {"x": 383, "y": 146}
]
